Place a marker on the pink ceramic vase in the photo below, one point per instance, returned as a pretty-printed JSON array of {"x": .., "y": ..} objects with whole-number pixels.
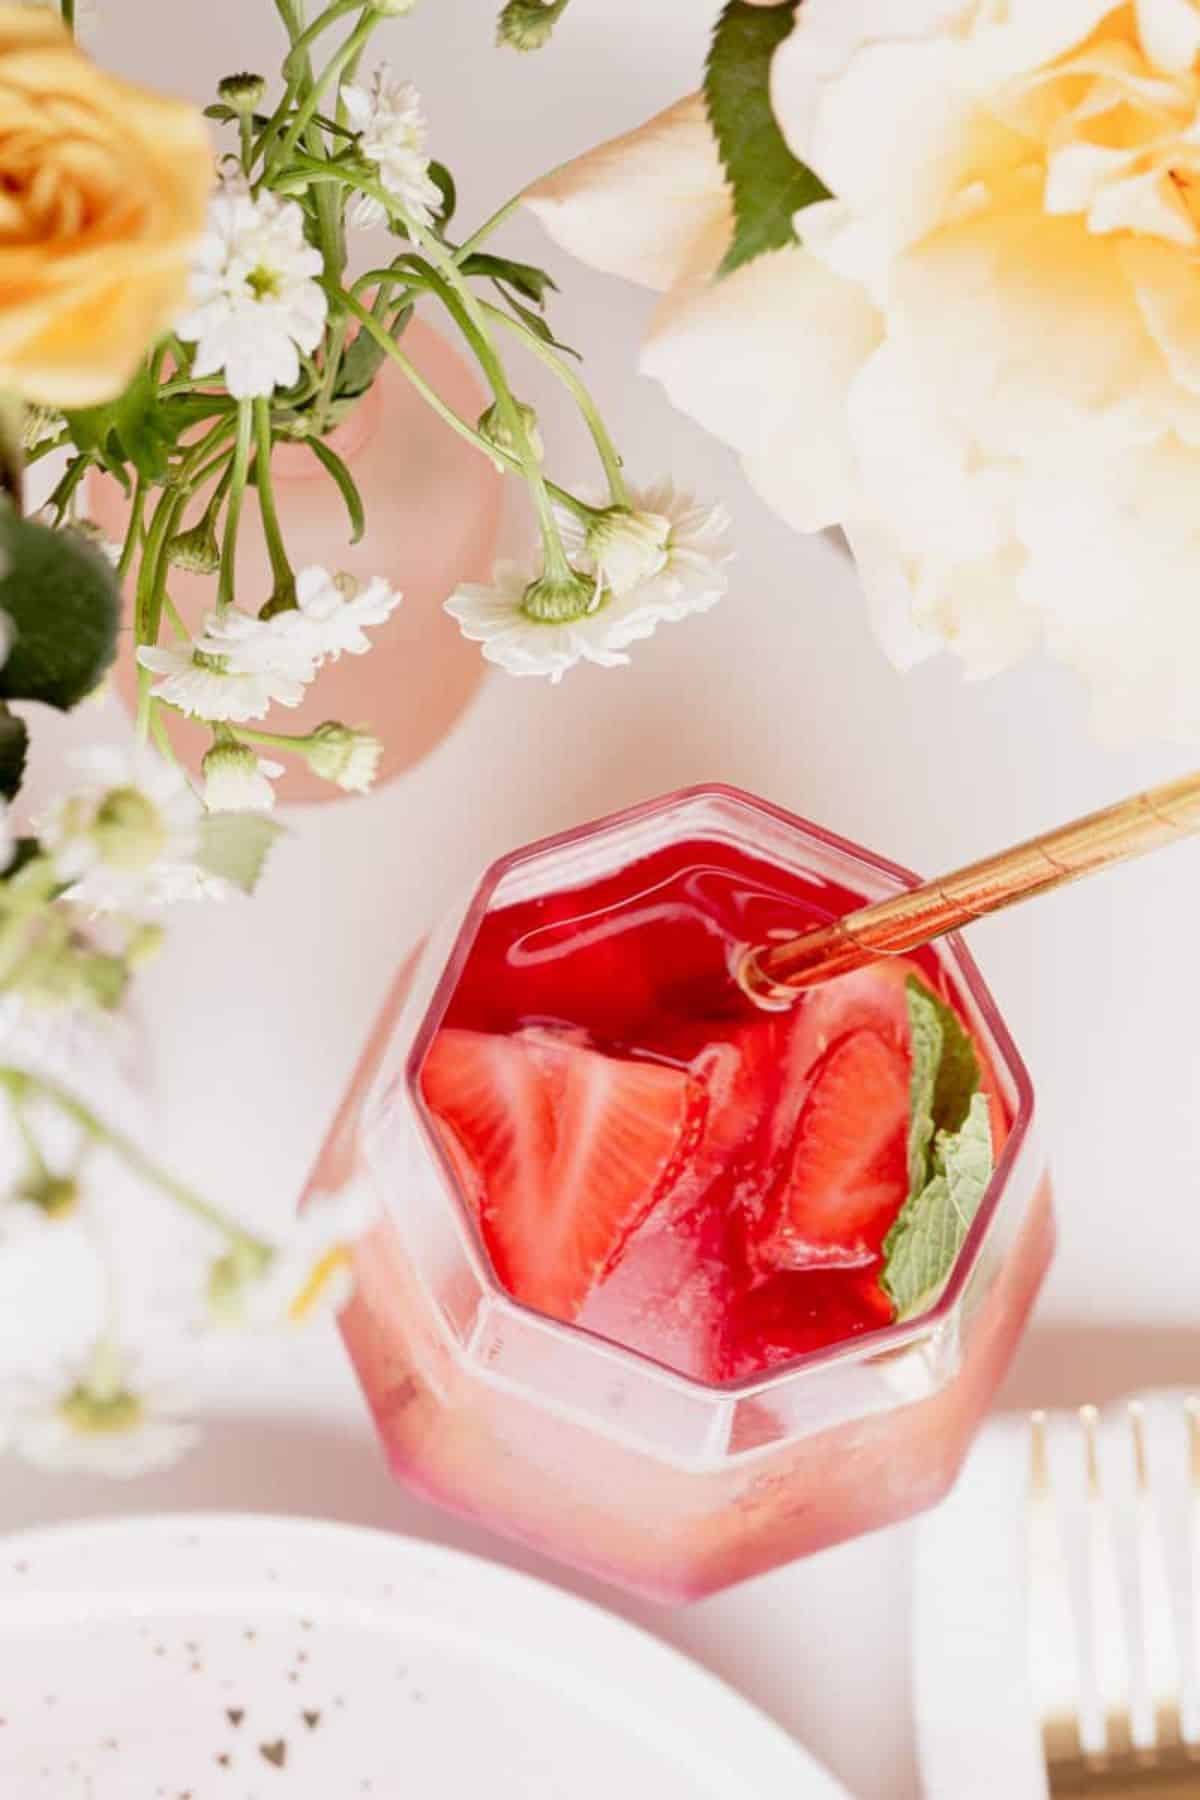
[{"x": 432, "y": 506}]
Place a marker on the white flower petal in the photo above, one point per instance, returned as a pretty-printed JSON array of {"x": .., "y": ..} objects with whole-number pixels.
[
  {"x": 650, "y": 206},
  {"x": 764, "y": 358}
]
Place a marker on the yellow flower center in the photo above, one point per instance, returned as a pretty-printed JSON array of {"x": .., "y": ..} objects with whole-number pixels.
[
  {"x": 94, "y": 1414},
  {"x": 263, "y": 283}
]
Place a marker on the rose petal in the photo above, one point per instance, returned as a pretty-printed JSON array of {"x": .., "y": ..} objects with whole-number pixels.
[
  {"x": 650, "y": 206},
  {"x": 764, "y": 358}
]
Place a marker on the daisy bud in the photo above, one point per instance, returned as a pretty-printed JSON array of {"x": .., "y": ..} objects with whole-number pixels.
[
  {"x": 242, "y": 92},
  {"x": 55, "y": 1195},
  {"x": 628, "y": 547},
  {"x": 342, "y": 755},
  {"x": 127, "y": 830},
  {"x": 528, "y": 24},
  {"x": 236, "y": 780},
  {"x": 196, "y": 549},
  {"x": 101, "y": 979},
  {"x": 494, "y": 427},
  {"x": 233, "y": 1275},
  {"x": 555, "y": 599}
]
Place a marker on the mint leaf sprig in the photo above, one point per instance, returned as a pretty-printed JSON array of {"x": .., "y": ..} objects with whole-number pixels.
[{"x": 950, "y": 1157}]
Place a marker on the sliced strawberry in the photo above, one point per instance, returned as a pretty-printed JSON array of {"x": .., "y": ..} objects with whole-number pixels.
[
  {"x": 568, "y": 1151},
  {"x": 793, "y": 1314},
  {"x": 845, "y": 1176}
]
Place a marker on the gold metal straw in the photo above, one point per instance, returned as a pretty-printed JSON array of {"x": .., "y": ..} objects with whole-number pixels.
[{"x": 773, "y": 974}]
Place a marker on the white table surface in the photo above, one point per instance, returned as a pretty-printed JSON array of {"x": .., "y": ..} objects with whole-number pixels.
[{"x": 256, "y": 1010}]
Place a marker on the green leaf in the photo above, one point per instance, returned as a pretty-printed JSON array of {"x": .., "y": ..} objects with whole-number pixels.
[
  {"x": 347, "y": 487},
  {"x": 526, "y": 278},
  {"x": 63, "y": 606},
  {"x": 443, "y": 180},
  {"x": 235, "y": 846},
  {"x": 138, "y": 427},
  {"x": 769, "y": 185},
  {"x": 945, "y": 1074},
  {"x": 925, "y": 1041},
  {"x": 921, "y": 1248},
  {"x": 143, "y": 428},
  {"x": 14, "y": 746},
  {"x": 359, "y": 366},
  {"x": 535, "y": 322}
]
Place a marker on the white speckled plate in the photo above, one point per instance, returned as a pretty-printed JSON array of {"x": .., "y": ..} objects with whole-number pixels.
[{"x": 238, "y": 1658}]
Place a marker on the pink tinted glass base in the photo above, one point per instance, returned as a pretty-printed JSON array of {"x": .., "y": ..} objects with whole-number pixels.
[
  {"x": 433, "y": 508},
  {"x": 672, "y": 1534}
]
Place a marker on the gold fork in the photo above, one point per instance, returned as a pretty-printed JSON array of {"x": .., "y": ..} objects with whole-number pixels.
[{"x": 1108, "y": 1678}]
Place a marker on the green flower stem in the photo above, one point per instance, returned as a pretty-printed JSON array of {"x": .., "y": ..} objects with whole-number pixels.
[
  {"x": 148, "y": 599},
  {"x": 348, "y": 51},
  {"x": 68, "y": 14},
  {"x": 606, "y": 449},
  {"x": 489, "y": 225},
  {"x": 294, "y": 67},
  {"x": 237, "y": 493},
  {"x": 158, "y": 730},
  {"x": 485, "y": 353},
  {"x": 334, "y": 346},
  {"x": 33, "y": 1150},
  {"x": 65, "y": 489},
  {"x": 21, "y": 1083},
  {"x": 281, "y": 568},
  {"x": 328, "y": 219},
  {"x": 275, "y": 740},
  {"x": 220, "y": 461},
  {"x": 430, "y": 395},
  {"x": 133, "y": 531},
  {"x": 173, "y": 613}
]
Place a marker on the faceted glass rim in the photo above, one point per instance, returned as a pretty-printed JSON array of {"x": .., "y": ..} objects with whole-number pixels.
[{"x": 872, "y": 1345}]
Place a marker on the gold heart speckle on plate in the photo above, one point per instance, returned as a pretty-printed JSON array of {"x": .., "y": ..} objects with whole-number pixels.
[{"x": 245, "y": 1657}]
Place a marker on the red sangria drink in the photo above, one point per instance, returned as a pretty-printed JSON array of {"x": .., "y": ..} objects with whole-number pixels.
[{"x": 668, "y": 1286}]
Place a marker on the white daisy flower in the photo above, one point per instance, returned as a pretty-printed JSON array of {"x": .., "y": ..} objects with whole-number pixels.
[
  {"x": 256, "y": 304},
  {"x": 341, "y": 754},
  {"x": 306, "y": 1277},
  {"x": 625, "y": 546},
  {"x": 669, "y": 546},
  {"x": 236, "y": 780},
  {"x": 119, "y": 837},
  {"x": 338, "y": 608},
  {"x": 282, "y": 645},
  {"x": 496, "y": 617},
  {"x": 236, "y": 668},
  {"x": 391, "y": 128},
  {"x": 93, "y": 1420}
]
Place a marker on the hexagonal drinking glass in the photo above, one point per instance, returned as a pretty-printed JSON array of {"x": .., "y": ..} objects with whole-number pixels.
[{"x": 596, "y": 1454}]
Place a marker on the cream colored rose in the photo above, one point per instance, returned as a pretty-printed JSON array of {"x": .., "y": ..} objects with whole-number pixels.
[
  {"x": 985, "y": 360},
  {"x": 102, "y": 195}
]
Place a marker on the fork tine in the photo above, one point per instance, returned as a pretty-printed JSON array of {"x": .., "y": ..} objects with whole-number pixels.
[
  {"x": 1108, "y": 1652},
  {"x": 1053, "y": 1635},
  {"x": 1191, "y": 1410},
  {"x": 1155, "y": 1636}
]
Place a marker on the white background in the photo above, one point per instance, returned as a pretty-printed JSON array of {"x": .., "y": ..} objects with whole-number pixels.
[{"x": 256, "y": 1011}]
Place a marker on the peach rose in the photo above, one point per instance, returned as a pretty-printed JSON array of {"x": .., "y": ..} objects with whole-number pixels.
[
  {"x": 982, "y": 359},
  {"x": 102, "y": 195}
]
